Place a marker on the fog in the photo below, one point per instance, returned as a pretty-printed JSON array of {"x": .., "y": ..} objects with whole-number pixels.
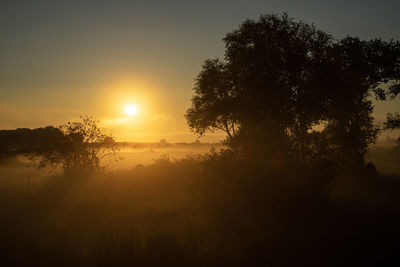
[
  {"x": 133, "y": 154},
  {"x": 181, "y": 205},
  {"x": 281, "y": 191}
]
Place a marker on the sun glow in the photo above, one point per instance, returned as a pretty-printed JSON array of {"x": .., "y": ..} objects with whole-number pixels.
[
  {"x": 134, "y": 110},
  {"x": 131, "y": 110}
]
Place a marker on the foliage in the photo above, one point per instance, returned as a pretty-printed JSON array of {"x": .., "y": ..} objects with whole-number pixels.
[
  {"x": 358, "y": 69},
  {"x": 267, "y": 75},
  {"x": 214, "y": 210},
  {"x": 281, "y": 78},
  {"x": 81, "y": 147},
  {"x": 27, "y": 141},
  {"x": 392, "y": 121}
]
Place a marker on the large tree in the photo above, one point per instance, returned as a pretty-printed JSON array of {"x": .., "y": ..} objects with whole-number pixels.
[
  {"x": 266, "y": 89},
  {"x": 281, "y": 78}
]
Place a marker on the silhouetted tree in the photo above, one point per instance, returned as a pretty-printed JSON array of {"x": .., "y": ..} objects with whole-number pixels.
[
  {"x": 266, "y": 90},
  {"x": 358, "y": 70},
  {"x": 392, "y": 121},
  {"x": 82, "y": 145},
  {"x": 281, "y": 78}
]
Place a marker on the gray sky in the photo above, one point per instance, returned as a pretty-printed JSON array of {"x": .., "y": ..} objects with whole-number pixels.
[{"x": 61, "y": 59}]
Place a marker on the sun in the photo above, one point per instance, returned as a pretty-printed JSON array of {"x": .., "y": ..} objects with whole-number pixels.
[{"x": 131, "y": 110}]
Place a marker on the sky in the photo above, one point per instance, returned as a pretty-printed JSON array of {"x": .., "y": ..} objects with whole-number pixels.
[{"x": 63, "y": 59}]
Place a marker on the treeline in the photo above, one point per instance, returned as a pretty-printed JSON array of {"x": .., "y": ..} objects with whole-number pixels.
[
  {"x": 27, "y": 141},
  {"x": 77, "y": 146}
]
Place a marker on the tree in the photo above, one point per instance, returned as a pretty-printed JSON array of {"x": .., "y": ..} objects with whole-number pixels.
[
  {"x": 360, "y": 69},
  {"x": 265, "y": 91},
  {"x": 393, "y": 123},
  {"x": 80, "y": 148},
  {"x": 214, "y": 101},
  {"x": 281, "y": 78}
]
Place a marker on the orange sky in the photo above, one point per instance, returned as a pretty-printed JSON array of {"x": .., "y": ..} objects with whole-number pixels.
[{"x": 63, "y": 59}]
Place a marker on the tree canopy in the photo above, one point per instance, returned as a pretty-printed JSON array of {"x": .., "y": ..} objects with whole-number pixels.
[
  {"x": 79, "y": 148},
  {"x": 281, "y": 80},
  {"x": 26, "y": 141}
]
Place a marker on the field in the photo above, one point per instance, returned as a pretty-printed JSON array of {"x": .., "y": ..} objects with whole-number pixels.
[{"x": 150, "y": 209}]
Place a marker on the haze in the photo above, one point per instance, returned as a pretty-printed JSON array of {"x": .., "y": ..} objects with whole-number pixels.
[{"x": 63, "y": 59}]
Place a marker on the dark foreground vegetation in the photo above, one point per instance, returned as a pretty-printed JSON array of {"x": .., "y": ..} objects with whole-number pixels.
[
  {"x": 292, "y": 187},
  {"x": 215, "y": 210}
]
